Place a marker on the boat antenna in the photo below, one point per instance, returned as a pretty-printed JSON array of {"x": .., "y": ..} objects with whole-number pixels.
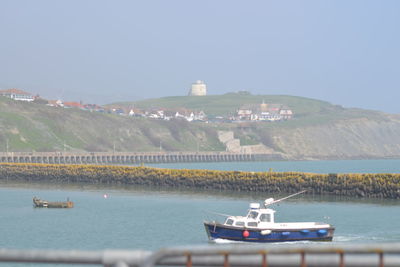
[{"x": 271, "y": 201}]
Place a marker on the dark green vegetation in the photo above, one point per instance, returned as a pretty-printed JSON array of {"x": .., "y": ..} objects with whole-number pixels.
[
  {"x": 361, "y": 185},
  {"x": 319, "y": 130}
]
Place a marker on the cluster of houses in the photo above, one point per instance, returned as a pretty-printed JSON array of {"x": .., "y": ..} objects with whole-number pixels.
[
  {"x": 162, "y": 114},
  {"x": 263, "y": 112},
  {"x": 260, "y": 112},
  {"x": 17, "y": 94}
]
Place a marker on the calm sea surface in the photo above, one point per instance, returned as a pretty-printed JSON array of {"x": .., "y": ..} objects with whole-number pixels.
[
  {"x": 151, "y": 218},
  {"x": 323, "y": 166}
]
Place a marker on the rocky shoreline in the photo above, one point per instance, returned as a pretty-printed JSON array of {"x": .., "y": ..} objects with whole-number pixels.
[{"x": 359, "y": 185}]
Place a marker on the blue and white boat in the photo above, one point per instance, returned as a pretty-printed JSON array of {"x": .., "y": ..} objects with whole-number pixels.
[{"x": 259, "y": 226}]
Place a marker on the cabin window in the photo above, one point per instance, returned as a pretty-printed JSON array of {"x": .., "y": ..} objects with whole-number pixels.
[
  {"x": 229, "y": 222},
  {"x": 253, "y": 215},
  {"x": 239, "y": 223},
  {"x": 252, "y": 224},
  {"x": 265, "y": 217}
]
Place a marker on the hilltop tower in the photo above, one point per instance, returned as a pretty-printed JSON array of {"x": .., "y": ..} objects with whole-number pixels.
[
  {"x": 263, "y": 106},
  {"x": 199, "y": 88}
]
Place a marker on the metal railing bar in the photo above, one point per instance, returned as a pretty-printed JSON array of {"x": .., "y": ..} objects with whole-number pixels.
[
  {"x": 335, "y": 249},
  {"x": 381, "y": 263},
  {"x": 281, "y": 260},
  {"x": 120, "y": 264},
  {"x": 106, "y": 258},
  {"x": 341, "y": 263},
  {"x": 382, "y": 255},
  {"x": 288, "y": 249},
  {"x": 189, "y": 261},
  {"x": 51, "y": 256},
  {"x": 303, "y": 259},
  {"x": 264, "y": 260},
  {"x": 131, "y": 257},
  {"x": 226, "y": 260}
]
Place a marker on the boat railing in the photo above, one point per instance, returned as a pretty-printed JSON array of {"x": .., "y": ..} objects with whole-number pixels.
[{"x": 331, "y": 254}]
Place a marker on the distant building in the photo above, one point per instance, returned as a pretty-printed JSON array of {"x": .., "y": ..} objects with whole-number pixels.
[
  {"x": 55, "y": 103},
  {"x": 286, "y": 113},
  {"x": 245, "y": 112},
  {"x": 94, "y": 107},
  {"x": 198, "y": 88},
  {"x": 263, "y": 112},
  {"x": 17, "y": 94},
  {"x": 200, "y": 116},
  {"x": 135, "y": 112},
  {"x": 73, "y": 105}
]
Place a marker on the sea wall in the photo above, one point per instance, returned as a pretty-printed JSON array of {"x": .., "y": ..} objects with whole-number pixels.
[
  {"x": 105, "y": 158},
  {"x": 361, "y": 185}
]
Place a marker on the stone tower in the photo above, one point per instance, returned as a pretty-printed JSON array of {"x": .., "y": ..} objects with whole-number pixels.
[
  {"x": 198, "y": 88},
  {"x": 263, "y": 107}
]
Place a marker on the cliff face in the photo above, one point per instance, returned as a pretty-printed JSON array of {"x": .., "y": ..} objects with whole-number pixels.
[{"x": 353, "y": 138}]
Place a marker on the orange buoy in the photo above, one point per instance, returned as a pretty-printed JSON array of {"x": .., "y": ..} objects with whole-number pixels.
[{"x": 246, "y": 233}]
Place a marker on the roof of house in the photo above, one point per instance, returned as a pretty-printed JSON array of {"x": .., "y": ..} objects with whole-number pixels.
[
  {"x": 93, "y": 106},
  {"x": 54, "y": 102},
  {"x": 73, "y": 105},
  {"x": 183, "y": 111},
  {"x": 14, "y": 91}
]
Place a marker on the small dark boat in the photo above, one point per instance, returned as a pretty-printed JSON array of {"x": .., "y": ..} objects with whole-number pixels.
[{"x": 39, "y": 203}]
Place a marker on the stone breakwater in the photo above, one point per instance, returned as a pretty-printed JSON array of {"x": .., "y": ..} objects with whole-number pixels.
[{"x": 361, "y": 185}]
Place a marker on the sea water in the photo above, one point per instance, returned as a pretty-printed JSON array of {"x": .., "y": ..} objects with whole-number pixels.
[
  {"x": 320, "y": 166},
  {"x": 131, "y": 217}
]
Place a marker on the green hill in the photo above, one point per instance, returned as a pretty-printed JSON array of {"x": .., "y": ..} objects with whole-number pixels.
[
  {"x": 307, "y": 111},
  {"x": 35, "y": 127},
  {"x": 319, "y": 130},
  {"x": 227, "y": 104}
]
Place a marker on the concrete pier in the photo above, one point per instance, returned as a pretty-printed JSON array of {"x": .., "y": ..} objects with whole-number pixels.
[{"x": 130, "y": 157}]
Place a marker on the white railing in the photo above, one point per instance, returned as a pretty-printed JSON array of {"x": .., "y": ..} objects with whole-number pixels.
[{"x": 303, "y": 255}]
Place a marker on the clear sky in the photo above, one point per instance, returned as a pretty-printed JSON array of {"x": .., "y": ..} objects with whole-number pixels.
[{"x": 346, "y": 52}]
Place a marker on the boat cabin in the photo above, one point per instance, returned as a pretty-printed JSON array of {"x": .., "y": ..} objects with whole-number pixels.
[{"x": 256, "y": 217}]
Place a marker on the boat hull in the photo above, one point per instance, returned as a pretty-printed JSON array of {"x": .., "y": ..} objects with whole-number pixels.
[
  {"x": 38, "y": 203},
  {"x": 220, "y": 231}
]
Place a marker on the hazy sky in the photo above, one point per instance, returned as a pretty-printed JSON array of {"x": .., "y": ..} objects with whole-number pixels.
[{"x": 345, "y": 52}]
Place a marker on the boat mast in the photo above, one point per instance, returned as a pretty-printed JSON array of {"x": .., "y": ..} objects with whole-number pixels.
[{"x": 271, "y": 201}]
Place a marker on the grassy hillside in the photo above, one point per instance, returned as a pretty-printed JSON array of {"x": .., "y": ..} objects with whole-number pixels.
[
  {"x": 307, "y": 111},
  {"x": 226, "y": 104},
  {"x": 35, "y": 127},
  {"x": 319, "y": 130}
]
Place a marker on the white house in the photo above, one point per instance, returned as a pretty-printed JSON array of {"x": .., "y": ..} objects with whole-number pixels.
[{"x": 17, "y": 94}]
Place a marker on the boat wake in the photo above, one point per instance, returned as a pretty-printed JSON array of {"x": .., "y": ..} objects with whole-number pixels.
[
  {"x": 338, "y": 239},
  {"x": 356, "y": 238},
  {"x": 225, "y": 241}
]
